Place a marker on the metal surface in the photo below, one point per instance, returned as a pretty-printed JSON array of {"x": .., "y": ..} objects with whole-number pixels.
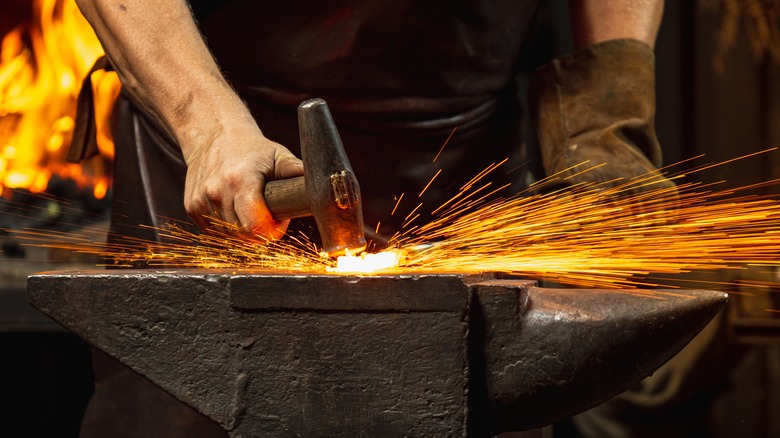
[
  {"x": 432, "y": 355},
  {"x": 329, "y": 191}
]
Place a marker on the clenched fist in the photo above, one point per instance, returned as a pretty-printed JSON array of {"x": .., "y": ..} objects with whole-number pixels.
[{"x": 226, "y": 177}]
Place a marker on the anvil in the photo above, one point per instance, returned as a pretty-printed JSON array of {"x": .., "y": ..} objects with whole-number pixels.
[{"x": 275, "y": 354}]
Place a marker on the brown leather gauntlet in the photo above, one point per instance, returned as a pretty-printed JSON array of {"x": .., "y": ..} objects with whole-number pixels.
[{"x": 597, "y": 105}]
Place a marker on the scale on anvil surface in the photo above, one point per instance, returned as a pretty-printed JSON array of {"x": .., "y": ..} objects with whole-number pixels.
[{"x": 275, "y": 354}]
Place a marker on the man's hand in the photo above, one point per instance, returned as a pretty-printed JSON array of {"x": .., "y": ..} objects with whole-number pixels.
[{"x": 226, "y": 179}]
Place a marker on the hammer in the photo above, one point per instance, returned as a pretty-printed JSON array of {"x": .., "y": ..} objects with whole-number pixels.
[{"x": 329, "y": 191}]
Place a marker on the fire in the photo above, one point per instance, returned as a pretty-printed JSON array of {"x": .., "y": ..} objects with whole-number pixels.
[{"x": 42, "y": 64}]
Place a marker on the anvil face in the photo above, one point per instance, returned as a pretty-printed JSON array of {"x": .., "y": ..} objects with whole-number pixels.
[{"x": 433, "y": 355}]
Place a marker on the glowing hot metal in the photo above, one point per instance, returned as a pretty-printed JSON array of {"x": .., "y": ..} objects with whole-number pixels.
[{"x": 366, "y": 262}]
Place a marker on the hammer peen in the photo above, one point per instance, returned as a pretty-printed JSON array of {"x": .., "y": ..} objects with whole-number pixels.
[{"x": 329, "y": 191}]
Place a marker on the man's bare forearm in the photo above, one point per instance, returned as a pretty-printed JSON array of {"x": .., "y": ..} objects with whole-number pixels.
[
  {"x": 594, "y": 21},
  {"x": 164, "y": 64},
  {"x": 166, "y": 67}
]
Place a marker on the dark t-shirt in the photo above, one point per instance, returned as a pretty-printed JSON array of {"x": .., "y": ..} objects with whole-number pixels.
[{"x": 440, "y": 57}]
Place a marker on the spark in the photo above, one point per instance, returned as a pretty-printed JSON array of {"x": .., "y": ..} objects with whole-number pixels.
[
  {"x": 589, "y": 242},
  {"x": 411, "y": 213},
  {"x": 429, "y": 184},
  {"x": 225, "y": 249},
  {"x": 445, "y": 144},
  {"x": 587, "y": 235},
  {"x": 596, "y": 236},
  {"x": 398, "y": 202}
]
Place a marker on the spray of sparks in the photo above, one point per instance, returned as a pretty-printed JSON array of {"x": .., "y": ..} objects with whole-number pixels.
[{"x": 614, "y": 234}]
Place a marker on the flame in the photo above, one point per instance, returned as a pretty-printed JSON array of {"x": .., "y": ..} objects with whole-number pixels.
[{"x": 42, "y": 64}]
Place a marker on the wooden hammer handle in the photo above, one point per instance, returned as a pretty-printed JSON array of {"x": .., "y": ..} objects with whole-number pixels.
[{"x": 287, "y": 198}]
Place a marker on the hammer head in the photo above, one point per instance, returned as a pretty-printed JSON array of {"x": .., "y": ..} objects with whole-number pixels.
[{"x": 331, "y": 186}]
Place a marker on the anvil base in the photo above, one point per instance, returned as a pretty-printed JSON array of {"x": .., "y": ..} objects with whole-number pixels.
[{"x": 322, "y": 355}]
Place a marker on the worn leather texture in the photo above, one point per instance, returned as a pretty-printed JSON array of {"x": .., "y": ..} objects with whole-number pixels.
[
  {"x": 596, "y": 106},
  {"x": 149, "y": 173}
]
